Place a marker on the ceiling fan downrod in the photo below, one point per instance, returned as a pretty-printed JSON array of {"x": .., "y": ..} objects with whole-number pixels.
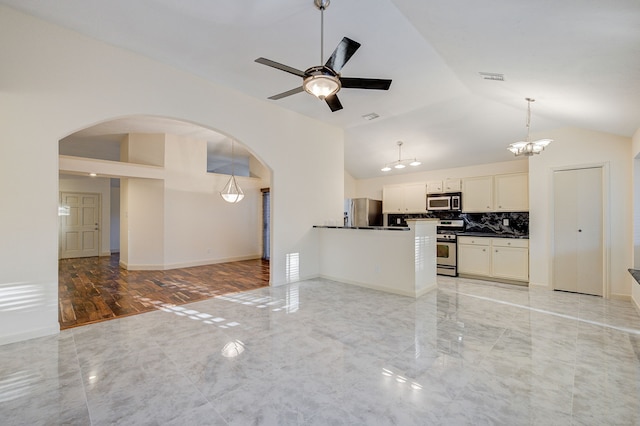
[{"x": 322, "y": 5}]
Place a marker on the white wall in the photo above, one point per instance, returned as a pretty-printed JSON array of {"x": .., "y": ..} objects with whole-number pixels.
[
  {"x": 55, "y": 82},
  {"x": 200, "y": 227},
  {"x": 100, "y": 186},
  {"x": 372, "y": 188},
  {"x": 350, "y": 184},
  {"x": 635, "y": 151},
  {"x": 115, "y": 219},
  {"x": 142, "y": 240},
  {"x": 576, "y": 148}
]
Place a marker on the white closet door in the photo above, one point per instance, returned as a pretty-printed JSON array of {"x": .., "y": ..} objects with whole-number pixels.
[{"x": 578, "y": 236}]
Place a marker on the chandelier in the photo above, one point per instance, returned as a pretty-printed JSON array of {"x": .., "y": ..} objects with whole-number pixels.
[
  {"x": 231, "y": 192},
  {"x": 528, "y": 148},
  {"x": 400, "y": 163}
]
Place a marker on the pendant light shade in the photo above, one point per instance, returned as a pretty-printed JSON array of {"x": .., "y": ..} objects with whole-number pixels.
[
  {"x": 232, "y": 193},
  {"x": 528, "y": 148},
  {"x": 400, "y": 163}
]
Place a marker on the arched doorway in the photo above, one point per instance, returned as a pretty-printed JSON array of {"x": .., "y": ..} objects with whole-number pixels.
[{"x": 159, "y": 180}]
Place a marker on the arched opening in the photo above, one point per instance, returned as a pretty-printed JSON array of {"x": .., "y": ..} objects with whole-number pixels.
[{"x": 154, "y": 215}]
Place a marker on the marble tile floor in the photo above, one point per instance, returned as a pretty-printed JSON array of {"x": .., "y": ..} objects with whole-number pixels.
[{"x": 324, "y": 353}]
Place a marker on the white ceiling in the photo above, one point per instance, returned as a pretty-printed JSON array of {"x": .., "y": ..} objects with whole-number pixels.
[{"x": 580, "y": 60}]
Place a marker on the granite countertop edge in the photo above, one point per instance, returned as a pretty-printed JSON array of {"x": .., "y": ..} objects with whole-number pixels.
[
  {"x": 635, "y": 273},
  {"x": 376, "y": 228},
  {"x": 492, "y": 235}
]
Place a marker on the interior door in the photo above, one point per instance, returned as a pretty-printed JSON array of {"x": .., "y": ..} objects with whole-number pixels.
[
  {"x": 578, "y": 231},
  {"x": 79, "y": 224}
]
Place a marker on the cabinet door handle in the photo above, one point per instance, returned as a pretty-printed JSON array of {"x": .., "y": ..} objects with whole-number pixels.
[
  {"x": 484, "y": 249},
  {"x": 496, "y": 251}
]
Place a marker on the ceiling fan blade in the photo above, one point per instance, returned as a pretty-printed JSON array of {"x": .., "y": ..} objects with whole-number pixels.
[
  {"x": 365, "y": 83},
  {"x": 278, "y": 65},
  {"x": 287, "y": 93},
  {"x": 344, "y": 51},
  {"x": 333, "y": 102}
]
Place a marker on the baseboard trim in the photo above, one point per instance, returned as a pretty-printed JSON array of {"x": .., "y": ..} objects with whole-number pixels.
[
  {"x": 540, "y": 285},
  {"x": 636, "y": 304},
  {"x": 32, "y": 334},
  {"x": 494, "y": 279},
  {"x": 618, "y": 296},
  {"x": 177, "y": 265},
  {"x": 384, "y": 288}
]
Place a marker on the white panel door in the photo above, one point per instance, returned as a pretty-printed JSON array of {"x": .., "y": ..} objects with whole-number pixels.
[
  {"x": 79, "y": 225},
  {"x": 578, "y": 236}
]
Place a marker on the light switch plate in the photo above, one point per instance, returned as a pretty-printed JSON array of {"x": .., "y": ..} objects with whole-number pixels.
[{"x": 505, "y": 222}]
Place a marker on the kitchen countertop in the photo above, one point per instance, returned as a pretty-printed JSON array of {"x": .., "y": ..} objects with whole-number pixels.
[
  {"x": 635, "y": 273},
  {"x": 377, "y": 228},
  {"x": 492, "y": 235}
]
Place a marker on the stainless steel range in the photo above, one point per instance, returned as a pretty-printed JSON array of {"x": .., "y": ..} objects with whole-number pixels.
[{"x": 447, "y": 246}]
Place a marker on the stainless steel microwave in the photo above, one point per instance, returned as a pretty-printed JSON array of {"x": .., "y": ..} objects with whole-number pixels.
[{"x": 450, "y": 201}]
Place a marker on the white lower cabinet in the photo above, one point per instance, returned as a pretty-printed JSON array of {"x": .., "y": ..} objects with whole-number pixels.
[
  {"x": 474, "y": 256},
  {"x": 499, "y": 258}
]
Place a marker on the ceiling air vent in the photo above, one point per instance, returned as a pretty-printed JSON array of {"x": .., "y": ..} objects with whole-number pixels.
[
  {"x": 492, "y": 76},
  {"x": 371, "y": 116}
]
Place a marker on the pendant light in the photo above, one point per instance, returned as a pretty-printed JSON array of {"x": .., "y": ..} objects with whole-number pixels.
[
  {"x": 400, "y": 163},
  {"x": 232, "y": 192},
  {"x": 528, "y": 148}
]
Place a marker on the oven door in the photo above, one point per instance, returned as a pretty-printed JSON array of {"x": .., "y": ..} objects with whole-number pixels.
[{"x": 446, "y": 257}]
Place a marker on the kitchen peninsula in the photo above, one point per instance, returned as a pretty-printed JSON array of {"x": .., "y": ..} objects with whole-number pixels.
[{"x": 395, "y": 260}]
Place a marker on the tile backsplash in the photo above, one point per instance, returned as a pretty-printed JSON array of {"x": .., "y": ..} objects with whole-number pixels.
[
  {"x": 494, "y": 222},
  {"x": 503, "y": 223}
]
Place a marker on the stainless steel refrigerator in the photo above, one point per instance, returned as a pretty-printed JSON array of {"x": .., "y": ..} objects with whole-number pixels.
[{"x": 362, "y": 212}]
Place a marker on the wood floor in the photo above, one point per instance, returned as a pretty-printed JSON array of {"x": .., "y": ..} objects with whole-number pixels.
[{"x": 94, "y": 289}]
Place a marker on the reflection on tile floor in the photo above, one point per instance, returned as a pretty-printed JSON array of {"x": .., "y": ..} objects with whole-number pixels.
[{"x": 324, "y": 353}]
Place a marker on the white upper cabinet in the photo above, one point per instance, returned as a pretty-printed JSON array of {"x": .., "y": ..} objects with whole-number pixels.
[
  {"x": 415, "y": 200},
  {"x": 434, "y": 187},
  {"x": 452, "y": 185},
  {"x": 448, "y": 185},
  {"x": 477, "y": 194},
  {"x": 508, "y": 193},
  {"x": 409, "y": 198},
  {"x": 512, "y": 192}
]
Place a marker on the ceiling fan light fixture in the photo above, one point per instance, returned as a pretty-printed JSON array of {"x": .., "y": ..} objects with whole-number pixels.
[
  {"x": 415, "y": 163},
  {"x": 321, "y": 82},
  {"x": 386, "y": 169}
]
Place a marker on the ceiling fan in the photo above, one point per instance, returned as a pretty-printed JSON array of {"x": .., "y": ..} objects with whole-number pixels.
[{"x": 324, "y": 81}]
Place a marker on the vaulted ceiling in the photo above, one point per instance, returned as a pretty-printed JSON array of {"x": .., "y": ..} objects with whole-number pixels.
[{"x": 580, "y": 60}]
